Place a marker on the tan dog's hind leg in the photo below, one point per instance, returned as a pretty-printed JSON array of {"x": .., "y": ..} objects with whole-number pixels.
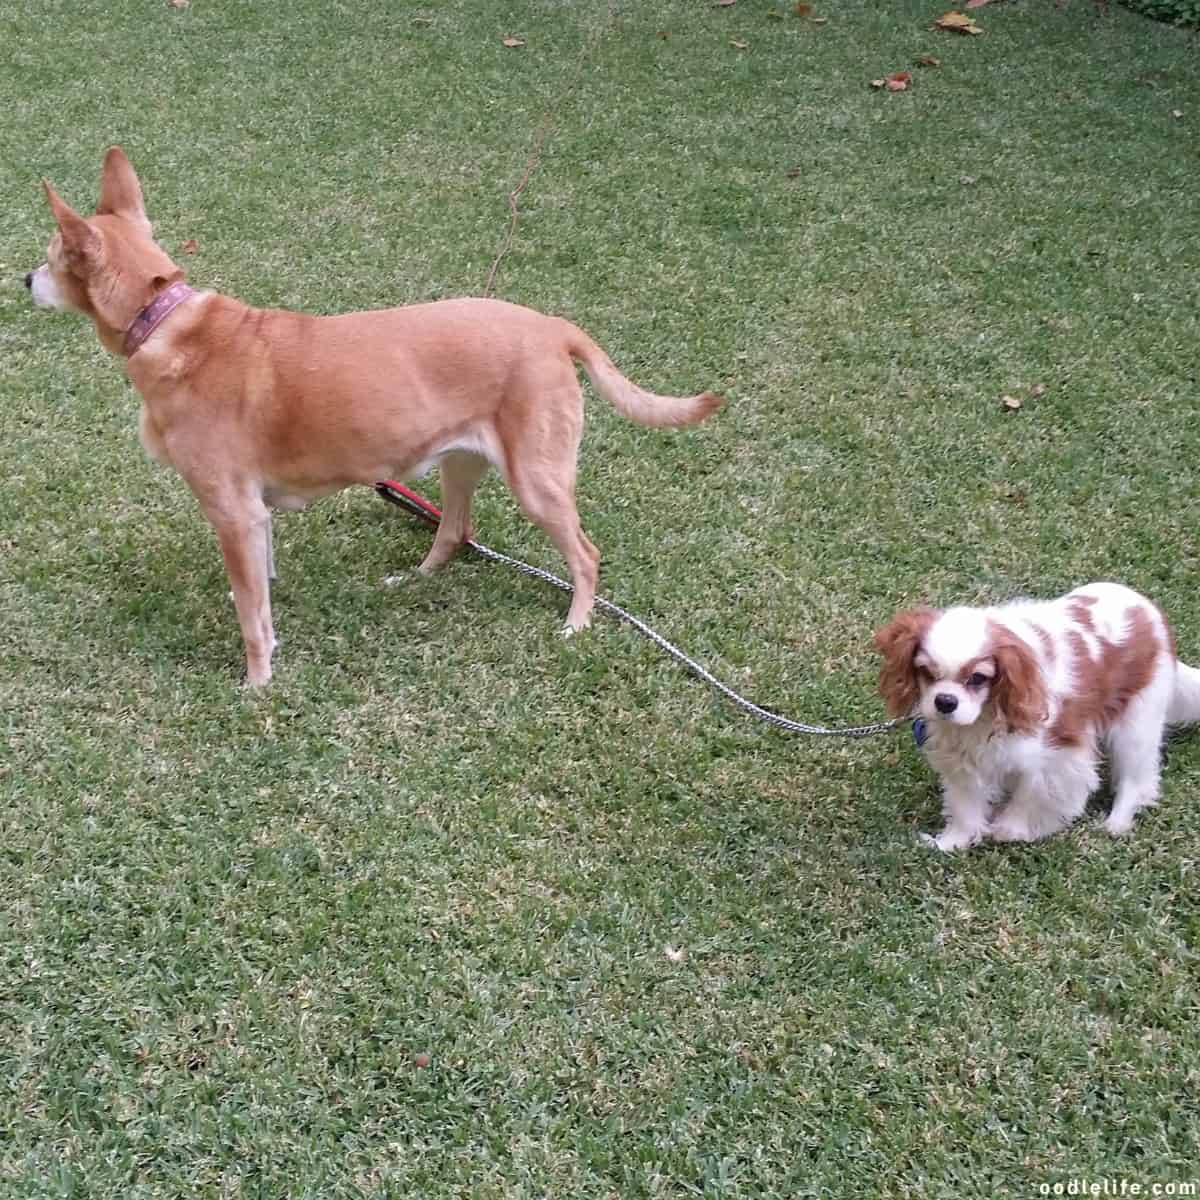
[
  {"x": 548, "y": 498},
  {"x": 244, "y": 537},
  {"x": 269, "y": 547},
  {"x": 460, "y": 473},
  {"x": 542, "y": 434},
  {"x": 584, "y": 561}
]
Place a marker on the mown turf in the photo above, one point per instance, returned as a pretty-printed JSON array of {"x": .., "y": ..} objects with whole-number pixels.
[{"x": 650, "y": 948}]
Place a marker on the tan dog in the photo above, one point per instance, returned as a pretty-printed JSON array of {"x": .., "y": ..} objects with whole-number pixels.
[{"x": 261, "y": 408}]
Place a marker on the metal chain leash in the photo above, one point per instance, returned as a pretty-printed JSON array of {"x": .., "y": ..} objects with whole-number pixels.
[{"x": 402, "y": 496}]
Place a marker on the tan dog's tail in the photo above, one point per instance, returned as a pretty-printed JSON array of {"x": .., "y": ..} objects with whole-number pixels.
[{"x": 634, "y": 402}]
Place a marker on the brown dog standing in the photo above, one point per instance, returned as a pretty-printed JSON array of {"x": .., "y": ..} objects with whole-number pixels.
[{"x": 262, "y": 408}]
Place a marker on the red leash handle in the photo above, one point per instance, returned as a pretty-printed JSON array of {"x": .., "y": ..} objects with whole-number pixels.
[{"x": 405, "y": 497}]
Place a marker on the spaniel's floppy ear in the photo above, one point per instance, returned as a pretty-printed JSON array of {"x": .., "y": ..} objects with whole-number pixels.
[
  {"x": 898, "y": 641},
  {"x": 1018, "y": 692}
]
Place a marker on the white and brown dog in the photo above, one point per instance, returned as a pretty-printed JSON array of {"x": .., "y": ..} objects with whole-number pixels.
[
  {"x": 261, "y": 408},
  {"x": 1020, "y": 701}
]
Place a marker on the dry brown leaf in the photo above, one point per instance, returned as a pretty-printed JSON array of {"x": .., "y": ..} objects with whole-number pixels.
[
  {"x": 190, "y": 246},
  {"x": 899, "y": 81},
  {"x": 750, "y": 1060},
  {"x": 739, "y": 45},
  {"x": 1038, "y": 389},
  {"x": 820, "y": 20},
  {"x": 1011, "y": 402},
  {"x": 957, "y": 22},
  {"x": 1010, "y": 494},
  {"x": 927, "y": 60},
  {"x": 794, "y": 172},
  {"x": 662, "y": 33},
  {"x": 802, "y": 10},
  {"x": 179, "y": 3},
  {"x": 512, "y": 41}
]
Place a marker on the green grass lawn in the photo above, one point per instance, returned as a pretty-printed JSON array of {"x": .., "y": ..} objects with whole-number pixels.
[{"x": 650, "y": 948}]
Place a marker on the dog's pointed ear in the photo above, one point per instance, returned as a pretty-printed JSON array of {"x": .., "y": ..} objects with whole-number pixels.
[
  {"x": 898, "y": 641},
  {"x": 120, "y": 191},
  {"x": 80, "y": 241}
]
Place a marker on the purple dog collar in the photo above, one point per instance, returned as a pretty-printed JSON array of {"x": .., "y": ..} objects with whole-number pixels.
[{"x": 154, "y": 314}]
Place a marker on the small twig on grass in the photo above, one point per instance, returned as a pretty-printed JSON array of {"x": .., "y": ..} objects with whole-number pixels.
[{"x": 545, "y": 129}]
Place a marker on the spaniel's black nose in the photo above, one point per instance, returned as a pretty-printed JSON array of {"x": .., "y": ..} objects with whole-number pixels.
[{"x": 945, "y": 703}]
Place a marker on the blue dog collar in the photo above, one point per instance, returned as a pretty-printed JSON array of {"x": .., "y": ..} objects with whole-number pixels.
[{"x": 920, "y": 733}]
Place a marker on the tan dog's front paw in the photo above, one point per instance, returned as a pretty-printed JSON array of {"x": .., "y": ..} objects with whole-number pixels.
[{"x": 258, "y": 668}]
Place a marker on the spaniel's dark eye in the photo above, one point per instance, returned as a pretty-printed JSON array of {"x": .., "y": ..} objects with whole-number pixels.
[{"x": 978, "y": 680}]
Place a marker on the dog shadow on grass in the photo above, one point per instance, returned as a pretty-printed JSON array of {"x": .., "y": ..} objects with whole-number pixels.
[{"x": 164, "y": 596}]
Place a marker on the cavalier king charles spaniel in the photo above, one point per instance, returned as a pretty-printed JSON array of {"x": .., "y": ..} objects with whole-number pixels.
[{"x": 1020, "y": 701}]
